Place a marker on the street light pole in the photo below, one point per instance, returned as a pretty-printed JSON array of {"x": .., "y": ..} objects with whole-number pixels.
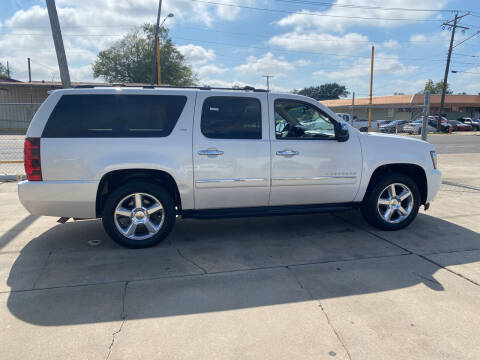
[
  {"x": 155, "y": 42},
  {"x": 159, "y": 72}
]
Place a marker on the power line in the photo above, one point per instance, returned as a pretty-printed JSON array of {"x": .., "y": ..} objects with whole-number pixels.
[
  {"x": 313, "y": 13},
  {"x": 466, "y": 72},
  {"x": 367, "y": 7},
  {"x": 461, "y": 42}
]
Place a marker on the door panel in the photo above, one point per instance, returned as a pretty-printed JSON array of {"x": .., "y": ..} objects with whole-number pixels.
[
  {"x": 230, "y": 172},
  {"x": 312, "y": 170}
]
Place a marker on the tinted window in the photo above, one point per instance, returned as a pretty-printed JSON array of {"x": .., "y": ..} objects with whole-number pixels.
[
  {"x": 114, "y": 116},
  {"x": 226, "y": 117},
  {"x": 299, "y": 120}
]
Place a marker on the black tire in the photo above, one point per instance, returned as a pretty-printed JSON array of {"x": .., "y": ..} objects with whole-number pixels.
[
  {"x": 420, "y": 131},
  {"x": 148, "y": 188},
  {"x": 370, "y": 208}
]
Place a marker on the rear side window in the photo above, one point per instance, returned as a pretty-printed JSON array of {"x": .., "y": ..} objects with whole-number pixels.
[
  {"x": 225, "y": 117},
  {"x": 99, "y": 116}
]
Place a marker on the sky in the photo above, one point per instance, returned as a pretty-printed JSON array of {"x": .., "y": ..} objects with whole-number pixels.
[{"x": 236, "y": 42}]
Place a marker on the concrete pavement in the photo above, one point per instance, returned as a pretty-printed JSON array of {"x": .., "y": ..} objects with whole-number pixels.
[{"x": 291, "y": 287}]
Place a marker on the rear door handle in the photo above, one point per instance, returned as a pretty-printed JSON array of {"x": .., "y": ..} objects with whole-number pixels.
[
  {"x": 287, "y": 153},
  {"x": 210, "y": 152}
]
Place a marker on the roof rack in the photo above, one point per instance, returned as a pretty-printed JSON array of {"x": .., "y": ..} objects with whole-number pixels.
[{"x": 244, "y": 88}]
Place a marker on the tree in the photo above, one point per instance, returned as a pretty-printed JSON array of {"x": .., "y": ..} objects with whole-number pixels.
[
  {"x": 130, "y": 59},
  {"x": 436, "y": 88},
  {"x": 3, "y": 70},
  {"x": 324, "y": 92}
]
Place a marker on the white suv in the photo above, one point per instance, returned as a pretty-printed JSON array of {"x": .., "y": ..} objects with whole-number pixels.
[{"x": 138, "y": 157}]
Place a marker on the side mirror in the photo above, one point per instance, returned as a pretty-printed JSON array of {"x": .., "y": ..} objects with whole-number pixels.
[{"x": 342, "y": 132}]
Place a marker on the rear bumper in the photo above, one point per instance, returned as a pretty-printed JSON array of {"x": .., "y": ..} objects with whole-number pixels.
[
  {"x": 434, "y": 180},
  {"x": 59, "y": 198}
]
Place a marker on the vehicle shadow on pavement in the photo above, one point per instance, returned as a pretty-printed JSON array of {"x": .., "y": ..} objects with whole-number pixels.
[{"x": 218, "y": 265}]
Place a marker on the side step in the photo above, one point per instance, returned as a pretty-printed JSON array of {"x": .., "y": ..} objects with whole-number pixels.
[{"x": 266, "y": 211}]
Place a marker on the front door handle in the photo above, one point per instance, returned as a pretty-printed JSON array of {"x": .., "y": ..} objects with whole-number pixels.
[
  {"x": 210, "y": 152},
  {"x": 287, "y": 153}
]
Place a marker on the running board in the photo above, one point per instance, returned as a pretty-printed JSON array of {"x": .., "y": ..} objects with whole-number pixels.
[{"x": 267, "y": 211}]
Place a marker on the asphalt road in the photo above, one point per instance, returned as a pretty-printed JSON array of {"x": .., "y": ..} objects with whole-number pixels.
[{"x": 456, "y": 144}]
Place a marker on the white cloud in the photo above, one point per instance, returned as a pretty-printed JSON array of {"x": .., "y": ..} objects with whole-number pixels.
[
  {"x": 303, "y": 62},
  {"x": 339, "y": 18},
  {"x": 389, "y": 44},
  {"x": 196, "y": 55},
  {"x": 383, "y": 64},
  {"x": 267, "y": 64},
  {"x": 211, "y": 69},
  {"x": 91, "y": 18},
  {"x": 320, "y": 42},
  {"x": 418, "y": 38}
]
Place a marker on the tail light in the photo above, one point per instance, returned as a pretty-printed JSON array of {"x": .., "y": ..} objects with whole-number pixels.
[{"x": 31, "y": 152}]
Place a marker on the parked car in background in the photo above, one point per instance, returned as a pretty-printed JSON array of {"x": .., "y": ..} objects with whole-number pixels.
[
  {"x": 460, "y": 126},
  {"x": 415, "y": 127},
  {"x": 361, "y": 124},
  {"x": 475, "y": 123},
  {"x": 393, "y": 126}
]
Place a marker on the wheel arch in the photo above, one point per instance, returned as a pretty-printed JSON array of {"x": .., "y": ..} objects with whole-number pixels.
[
  {"x": 115, "y": 178},
  {"x": 414, "y": 171}
]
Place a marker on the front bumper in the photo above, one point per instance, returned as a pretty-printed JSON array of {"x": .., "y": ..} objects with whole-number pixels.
[
  {"x": 434, "y": 180},
  {"x": 59, "y": 198}
]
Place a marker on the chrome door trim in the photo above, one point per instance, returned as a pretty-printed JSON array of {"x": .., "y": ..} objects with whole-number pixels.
[
  {"x": 201, "y": 181},
  {"x": 233, "y": 182},
  {"x": 315, "y": 178}
]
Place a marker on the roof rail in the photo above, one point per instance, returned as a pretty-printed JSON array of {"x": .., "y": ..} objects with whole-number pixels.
[{"x": 244, "y": 88}]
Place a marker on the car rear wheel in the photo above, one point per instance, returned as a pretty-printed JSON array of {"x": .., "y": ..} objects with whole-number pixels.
[
  {"x": 392, "y": 202},
  {"x": 138, "y": 214}
]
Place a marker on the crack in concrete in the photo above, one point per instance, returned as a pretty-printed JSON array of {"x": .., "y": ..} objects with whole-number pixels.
[
  {"x": 449, "y": 270},
  {"x": 123, "y": 317},
  {"x": 419, "y": 255},
  {"x": 337, "y": 334},
  {"x": 207, "y": 273},
  {"x": 42, "y": 270},
  {"x": 469, "y": 187},
  {"x": 186, "y": 258}
]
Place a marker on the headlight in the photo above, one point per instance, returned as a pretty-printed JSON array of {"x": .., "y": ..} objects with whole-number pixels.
[{"x": 433, "y": 155}]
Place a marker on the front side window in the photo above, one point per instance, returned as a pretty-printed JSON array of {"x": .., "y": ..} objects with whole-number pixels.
[
  {"x": 298, "y": 120},
  {"x": 228, "y": 117}
]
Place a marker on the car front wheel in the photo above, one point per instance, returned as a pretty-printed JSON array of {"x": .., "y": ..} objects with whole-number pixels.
[
  {"x": 138, "y": 214},
  {"x": 392, "y": 202}
]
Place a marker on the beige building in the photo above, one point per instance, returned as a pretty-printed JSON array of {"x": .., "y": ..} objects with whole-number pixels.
[{"x": 407, "y": 107}]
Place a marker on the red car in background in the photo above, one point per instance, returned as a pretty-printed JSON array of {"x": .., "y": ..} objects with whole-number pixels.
[{"x": 460, "y": 126}]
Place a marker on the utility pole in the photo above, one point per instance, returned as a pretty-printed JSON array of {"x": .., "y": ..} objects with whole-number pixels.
[
  {"x": 353, "y": 104},
  {"x": 155, "y": 44},
  {"x": 453, "y": 27},
  {"x": 268, "y": 80},
  {"x": 371, "y": 90},
  {"x": 8, "y": 70},
  {"x": 426, "y": 112},
  {"x": 58, "y": 41},
  {"x": 159, "y": 70},
  {"x": 29, "y": 71}
]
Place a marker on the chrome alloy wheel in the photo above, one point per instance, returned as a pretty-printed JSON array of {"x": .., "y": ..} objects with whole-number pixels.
[
  {"x": 139, "y": 216},
  {"x": 395, "y": 203}
]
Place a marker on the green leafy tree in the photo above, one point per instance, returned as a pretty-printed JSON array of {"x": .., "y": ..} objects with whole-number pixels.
[
  {"x": 130, "y": 59},
  {"x": 3, "y": 70},
  {"x": 436, "y": 88},
  {"x": 324, "y": 92}
]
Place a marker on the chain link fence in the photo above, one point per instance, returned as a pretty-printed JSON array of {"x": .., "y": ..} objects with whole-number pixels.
[
  {"x": 14, "y": 121},
  {"x": 11, "y": 155}
]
